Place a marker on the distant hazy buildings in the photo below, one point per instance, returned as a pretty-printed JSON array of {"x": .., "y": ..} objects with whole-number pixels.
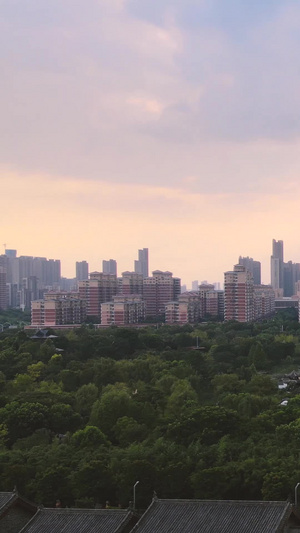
[
  {"x": 284, "y": 276},
  {"x": 141, "y": 266},
  {"x": 82, "y": 270},
  {"x": 277, "y": 265},
  {"x": 183, "y": 288},
  {"x": 28, "y": 277},
  {"x": 12, "y": 254},
  {"x": 109, "y": 266},
  {"x": 195, "y": 285},
  {"x": 253, "y": 266},
  {"x": 3, "y": 289}
]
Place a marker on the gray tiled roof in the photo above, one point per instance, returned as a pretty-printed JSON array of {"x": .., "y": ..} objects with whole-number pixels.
[
  {"x": 5, "y": 498},
  {"x": 78, "y": 521},
  {"x": 204, "y": 516}
]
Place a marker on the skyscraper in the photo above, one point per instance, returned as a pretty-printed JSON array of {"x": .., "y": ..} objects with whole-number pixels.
[
  {"x": 11, "y": 253},
  {"x": 141, "y": 266},
  {"x": 3, "y": 289},
  {"x": 277, "y": 267},
  {"x": 253, "y": 266},
  {"x": 82, "y": 270},
  {"x": 109, "y": 267}
]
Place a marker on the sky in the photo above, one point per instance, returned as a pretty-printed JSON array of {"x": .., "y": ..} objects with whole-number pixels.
[{"x": 167, "y": 124}]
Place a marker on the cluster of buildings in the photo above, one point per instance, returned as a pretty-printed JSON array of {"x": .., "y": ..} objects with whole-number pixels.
[{"x": 136, "y": 297}]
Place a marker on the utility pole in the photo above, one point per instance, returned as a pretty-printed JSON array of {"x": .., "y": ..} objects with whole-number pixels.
[{"x": 134, "y": 486}]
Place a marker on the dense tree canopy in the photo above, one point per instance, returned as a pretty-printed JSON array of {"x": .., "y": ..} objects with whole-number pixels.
[{"x": 85, "y": 415}]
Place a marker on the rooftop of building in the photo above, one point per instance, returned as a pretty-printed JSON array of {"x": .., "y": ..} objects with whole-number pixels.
[
  {"x": 193, "y": 516},
  {"x": 79, "y": 521}
]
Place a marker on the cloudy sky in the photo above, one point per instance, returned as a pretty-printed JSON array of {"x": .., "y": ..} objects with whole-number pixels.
[{"x": 168, "y": 124}]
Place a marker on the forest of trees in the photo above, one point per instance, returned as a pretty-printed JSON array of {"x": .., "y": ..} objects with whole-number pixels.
[{"x": 85, "y": 415}]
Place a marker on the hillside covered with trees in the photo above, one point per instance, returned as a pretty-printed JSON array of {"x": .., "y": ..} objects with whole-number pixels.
[{"x": 86, "y": 414}]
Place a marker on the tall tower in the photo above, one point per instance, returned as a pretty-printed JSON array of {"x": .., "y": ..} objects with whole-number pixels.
[
  {"x": 253, "y": 266},
  {"x": 82, "y": 270},
  {"x": 109, "y": 266},
  {"x": 3, "y": 289},
  {"x": 141, "y": 266},
  {"x": 277, "y": 267}
]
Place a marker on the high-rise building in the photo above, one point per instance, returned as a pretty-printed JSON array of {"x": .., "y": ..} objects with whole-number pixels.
[
  {"x": 195, "y": 285},
  {"x": 277, "y": 267},
  {"x": 253, "y": 266},
  {"x": 239, "y": 295},
  {"x": 130, "y": 283},
  {"x": 158, "y": 290},
  {"x": 100, "y": 288},
  {"x": 82, "y": 270},
  {"x": 3, "y": 289},
  {"x": 141, "y": 266},
  {"x": 12, "y": 254},
  {"x": 109, "y": 266}
]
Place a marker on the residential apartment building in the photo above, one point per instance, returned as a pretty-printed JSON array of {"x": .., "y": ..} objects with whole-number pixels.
[
  {"x": 130, "y": 283},
  {"x": 244, "y": 301},
  {"x": 123, "y": 310},
  {"x": 58, "y": 309},
  {"x": 100, "y": 288},
  {"x": 238, "y": 295},
  {"x": 158, "y": 290},
  {"x": 194, "y": 306},
  {"x": 264, "y": 301}
]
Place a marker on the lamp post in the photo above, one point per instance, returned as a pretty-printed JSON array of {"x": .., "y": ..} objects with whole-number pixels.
[
  {"x": 296, "y": 499},
  {"x": 137, "y": 482}
]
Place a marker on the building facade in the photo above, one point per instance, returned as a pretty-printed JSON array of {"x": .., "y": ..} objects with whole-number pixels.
[
  {"x": 109, "y": 266},
  {"x": 238, "y": 295},
  {"x": 141, "y": 266},
  {"x": 58, "y": 309},
  {"x": 253, "y": 266},
  {"x": 158, "y": 290},
  {"x": 194, "y": 306},
  {"x": 100, "y": 288},
  {"x": 3, "y": 289},
  {"x": 82, "y": 270},
  {"x": 123, "y": 310},
  {"x": 130, "y": 283}
]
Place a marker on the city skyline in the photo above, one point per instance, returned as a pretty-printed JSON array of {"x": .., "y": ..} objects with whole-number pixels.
[
  {"x": 171, "y": 123},
  {"x": 69, "y": 271}
]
